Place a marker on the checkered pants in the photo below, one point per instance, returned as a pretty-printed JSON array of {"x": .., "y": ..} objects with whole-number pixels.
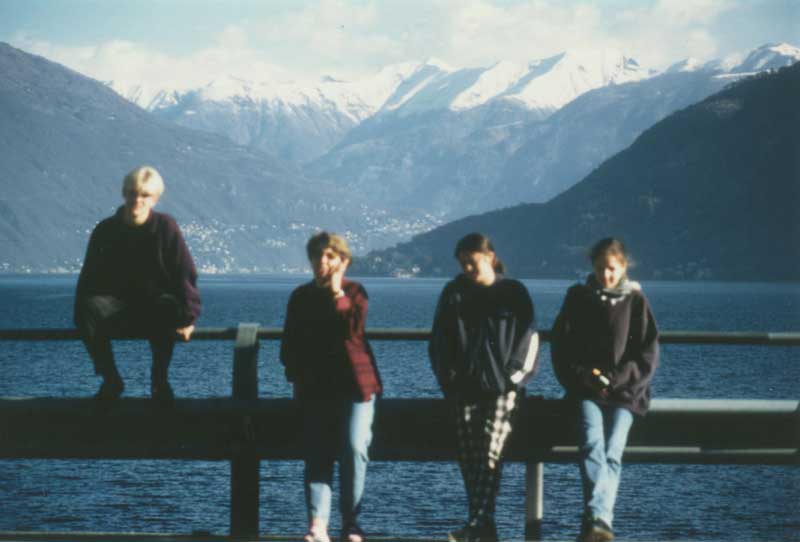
[{"x": 483, "y": 427}]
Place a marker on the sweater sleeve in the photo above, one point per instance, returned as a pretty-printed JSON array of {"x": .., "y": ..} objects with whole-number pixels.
[
  {"x": 86, "y": 278},
  {"x": 352, "y": 310},
  {"x": 183, "y": 273},
  {"x": 441, "y": 347},
  {"x": 631, "y": 379},
  {"x": 525, "y": 356},
  {"x": 353, "y": 307},
  {"x": 447, "y": 339},
  {"x": 288, "y": 351},
  {"x": 567, "y": 368}
]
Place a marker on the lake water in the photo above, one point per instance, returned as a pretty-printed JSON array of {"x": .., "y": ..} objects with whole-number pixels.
[{"x": 656, "y": 502}]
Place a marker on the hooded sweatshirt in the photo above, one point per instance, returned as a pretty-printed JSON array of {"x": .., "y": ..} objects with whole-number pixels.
[{"x": 612, "y": 330}]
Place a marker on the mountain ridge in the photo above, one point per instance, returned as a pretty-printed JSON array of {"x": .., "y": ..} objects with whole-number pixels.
[
  {"x": 709, "y": 192},
  {"x": 68, "y": 140}
]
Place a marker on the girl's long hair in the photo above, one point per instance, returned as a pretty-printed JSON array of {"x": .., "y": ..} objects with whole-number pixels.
[
  {"x": 478, "y": 242},
  {"x": 609, "y": 246}
]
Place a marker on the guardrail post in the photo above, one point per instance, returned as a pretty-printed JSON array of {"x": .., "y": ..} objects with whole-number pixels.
[
  {"x": 534, "y": 500},
  {"x": 244, "y": 462}
]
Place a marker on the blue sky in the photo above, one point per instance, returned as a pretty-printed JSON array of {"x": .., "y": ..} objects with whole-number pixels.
[{"x": 152, "y": 39}]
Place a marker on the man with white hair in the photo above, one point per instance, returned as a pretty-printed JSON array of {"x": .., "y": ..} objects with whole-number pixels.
[{"x": 137, "y": 279}]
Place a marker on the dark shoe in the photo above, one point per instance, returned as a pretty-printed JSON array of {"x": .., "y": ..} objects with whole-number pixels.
[
  {"x": 596, "y": 530},
  {"x": 353, "y": 533},
  {"x": 110, "y": 389},
  {"x": 163, "y": 394},
  {"x": 465, "y": 534},
  {"x": 471, "y": 533}
]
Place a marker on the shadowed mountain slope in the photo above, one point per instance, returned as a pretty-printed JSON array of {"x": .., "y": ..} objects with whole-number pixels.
[
  {"x": 712, "y": 191},
  {"x": 66, "y": 141}
]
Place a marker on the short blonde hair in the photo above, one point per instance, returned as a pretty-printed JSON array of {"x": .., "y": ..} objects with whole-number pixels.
[
  {"x": 143, "y": 176},
  {"x": 322, "y": 240}
]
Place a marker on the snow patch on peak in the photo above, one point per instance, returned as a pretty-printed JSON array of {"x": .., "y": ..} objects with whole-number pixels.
[
  {"x": 724, "y": 64},
  {"x": 556, "y": 81},
  {"x": 785, "y": 49},
  {"x": 438, "y": 63},
  {"x": 145, "y": 96},
  {"x": 491, "y": 83},
  {"x": 771, "y": 56},
  {"x": 687, "y": 65},
  {"x": 229, "y": 86}
]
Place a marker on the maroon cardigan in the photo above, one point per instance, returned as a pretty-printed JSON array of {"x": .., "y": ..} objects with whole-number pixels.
[{"x": 324, "y": 349}]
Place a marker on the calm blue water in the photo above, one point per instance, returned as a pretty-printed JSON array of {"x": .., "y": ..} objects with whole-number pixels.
[{"x": 656, "y": 502}]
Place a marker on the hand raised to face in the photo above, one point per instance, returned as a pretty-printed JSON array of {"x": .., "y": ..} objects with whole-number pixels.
[{"x": 329, "y": 269}]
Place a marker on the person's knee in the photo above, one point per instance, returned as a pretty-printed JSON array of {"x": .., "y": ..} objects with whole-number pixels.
[
  {"x": 357, "y": 446},
  {"x": 167, "y": 312},
  {"x": 89, "y": 307},
  {"x": 91, "y": 312}
]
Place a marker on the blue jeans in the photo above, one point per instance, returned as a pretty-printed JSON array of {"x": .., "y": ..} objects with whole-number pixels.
[
  {"x": 603, "y": 434},
  {"x": 336, "y": 429}
]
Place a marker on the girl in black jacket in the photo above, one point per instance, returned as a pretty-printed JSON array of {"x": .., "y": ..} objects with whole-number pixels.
[
  {"x": 605, "y": 351},
  {"x": 483, "y": 349}
]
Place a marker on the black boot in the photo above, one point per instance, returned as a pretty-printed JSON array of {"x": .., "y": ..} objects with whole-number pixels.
[
  {"x": 111, "y": 388},
  {"x": 162, "y": 393},
  {"x": 160, "y": 390}
]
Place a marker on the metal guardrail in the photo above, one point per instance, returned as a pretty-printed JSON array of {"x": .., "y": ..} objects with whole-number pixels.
[
  {"x": 244, "y": 429},
  {"x": 772, "y": 338}
]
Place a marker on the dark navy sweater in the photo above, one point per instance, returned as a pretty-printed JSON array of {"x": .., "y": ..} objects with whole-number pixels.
[
  {"x": 482, "y": 336},
  {"x": 139, "y": 263}
]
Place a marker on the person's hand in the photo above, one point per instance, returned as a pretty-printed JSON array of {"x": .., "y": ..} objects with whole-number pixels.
[
  {"x": 185, "y": 333},
  {"x": 597, "y": 382},
  {"x": 336, "y": 276}
]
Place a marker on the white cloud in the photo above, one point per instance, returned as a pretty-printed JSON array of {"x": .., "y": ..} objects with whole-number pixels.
[
  {"x": 681, "y": 14},
  {"x": 671, "y": 30},
  {"x": 656, "y": 34},
  {"x": 127, "y": 63},
  {"x": 232, "y": 37},
  {"x": 338, "y": 38},
  {"x": 332, "y": 35}
]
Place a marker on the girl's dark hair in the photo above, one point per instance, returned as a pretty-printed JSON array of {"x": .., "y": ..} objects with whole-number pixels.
[
  {"x": 477, "y": 242},
  {"x": 609, "y": 247}
]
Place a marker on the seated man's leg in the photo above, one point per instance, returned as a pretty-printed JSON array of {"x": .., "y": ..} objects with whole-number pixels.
[
  {"x": 97, "y": 317},
  {"x": 162, "y": 317}
]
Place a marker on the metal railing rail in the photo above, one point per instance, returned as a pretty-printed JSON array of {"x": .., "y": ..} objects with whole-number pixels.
[
  {"x": 244, "y": 429},
  {"x": 773, "y": 338}
]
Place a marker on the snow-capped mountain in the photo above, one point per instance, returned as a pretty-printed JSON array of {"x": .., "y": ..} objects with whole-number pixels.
[
  {"x": 456, "y": 141},
  {"x": 703, "y": 194},
  {"x": 554, "y": 82},
  {"x": 69, "y": 140},
  {"x": 768, "y": 57},
  {"x": 686, "y": 65},
  {"x": 465, "y": 161},
  {"x": 542, "y": 85},
  {"x": 300, "y": 120},
  {"x": 293, "y": 120}
]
